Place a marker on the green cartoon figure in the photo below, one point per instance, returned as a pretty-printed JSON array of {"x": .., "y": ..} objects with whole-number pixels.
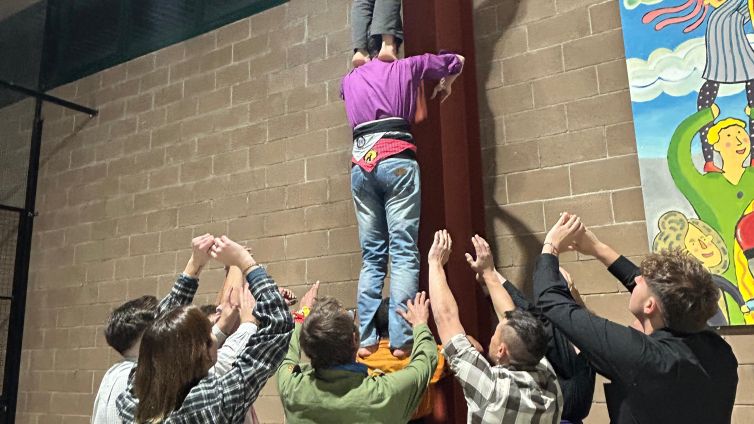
[{"x": 719, "y": 199}]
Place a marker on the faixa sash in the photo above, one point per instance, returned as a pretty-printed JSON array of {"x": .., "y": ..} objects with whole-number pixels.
[{"x": 391, "y": 135}]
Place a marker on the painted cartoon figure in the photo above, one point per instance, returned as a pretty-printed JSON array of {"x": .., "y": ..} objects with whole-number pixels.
[
  {"x": 704, "y": 243},
  {"x": 730, "y": 57},
  {"x": 719, "y": 199},
  {"x": 745, "y": 255}
]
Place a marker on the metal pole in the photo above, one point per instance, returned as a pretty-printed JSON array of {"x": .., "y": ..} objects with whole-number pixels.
[
  {"x": 21, "y": 272},
  {"x": 48, "y": 98}
]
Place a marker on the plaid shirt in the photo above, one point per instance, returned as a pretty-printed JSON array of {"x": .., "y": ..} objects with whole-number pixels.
[
  {"x": 115, "y": 380},
  {"x": 227, "y": 398},
  {"x": 504, "y": 394}
]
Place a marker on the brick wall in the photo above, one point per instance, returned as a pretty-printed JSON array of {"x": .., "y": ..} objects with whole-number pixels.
[
  {"x": 557, "y": 134},
  {"x": 241, "y": 131}
]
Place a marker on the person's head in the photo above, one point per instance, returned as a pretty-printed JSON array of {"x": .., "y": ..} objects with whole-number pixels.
[
  {"x": 694, "y": 236},
  {"x": 519, "y": 339},
  {"x": 177, "y": 351},
  {"x": 128, "y": 321},
  {"x": 675, "y": 287},
  {"x": 382, "y": 319},
  {"x": 329, "y": 336},
  {"x": 729, "y": 138},
  {"x": 210, "y": 311}
]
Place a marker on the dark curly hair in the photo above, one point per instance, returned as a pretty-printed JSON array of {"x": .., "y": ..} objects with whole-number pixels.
[{"x": 688, "y": 296}]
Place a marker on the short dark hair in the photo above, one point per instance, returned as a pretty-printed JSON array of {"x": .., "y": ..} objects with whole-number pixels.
[
  {"x": 382, "y": 319},
  {"x": 327, "y": 335},
  {"x": 688, "y": 296},
  {"x": 128, "y": 321},
  {"x": 529, "y": 344},
  {"x": 208, "y": 309}
]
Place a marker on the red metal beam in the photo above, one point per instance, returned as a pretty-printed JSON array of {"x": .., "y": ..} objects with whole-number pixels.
[{"x": 450, "y": 162}]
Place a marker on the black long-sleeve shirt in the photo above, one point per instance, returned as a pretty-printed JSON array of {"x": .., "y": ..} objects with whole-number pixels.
[{"x": 665, "y": 377}]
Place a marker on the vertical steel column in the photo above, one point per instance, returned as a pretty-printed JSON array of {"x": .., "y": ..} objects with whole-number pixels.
[
  {"x": 21, "y": 272},
  {"x": 450, "y": 161}
]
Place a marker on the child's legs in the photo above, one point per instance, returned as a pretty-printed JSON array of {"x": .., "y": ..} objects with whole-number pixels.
[
  {"x": 387, "y": 18},
  {"x": 373, "y": 238},
  {"x": 361, "y": 19},
  {"x": 402, "y": 206},
  {"x": 706, "y": 98}
]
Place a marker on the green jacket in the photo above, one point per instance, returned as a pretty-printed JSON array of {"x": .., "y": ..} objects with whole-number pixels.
[
  {"x": 715, "y": 200},
  {"x": 337, "y": 396}
]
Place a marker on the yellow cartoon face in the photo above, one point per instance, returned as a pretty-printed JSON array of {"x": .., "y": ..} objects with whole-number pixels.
[
  {"x": 702, "y": 246},
  {"x": 734, "y": 144}
]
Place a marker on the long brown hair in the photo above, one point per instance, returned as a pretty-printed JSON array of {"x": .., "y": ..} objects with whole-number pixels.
[{"x": 173, "y": 357}]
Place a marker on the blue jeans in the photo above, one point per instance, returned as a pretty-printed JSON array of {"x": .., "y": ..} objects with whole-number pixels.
[{"x": 387, "y": 202}]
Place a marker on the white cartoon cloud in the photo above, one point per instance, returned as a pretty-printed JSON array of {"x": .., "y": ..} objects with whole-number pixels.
[
  {"x": 632, "y": 4},
  {"x": 675, "y": 72}
]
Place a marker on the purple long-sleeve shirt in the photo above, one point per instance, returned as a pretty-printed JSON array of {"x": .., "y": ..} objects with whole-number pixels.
[{"x": 380, "y": 89}]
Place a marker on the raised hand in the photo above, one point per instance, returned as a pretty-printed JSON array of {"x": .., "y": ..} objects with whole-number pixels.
[
  {"x": 231, "y": 253},
  {"x": 483, "y": 263},
  {"x": 200, "y": 247},
  {"x": 587, "y": 243},
  {"x": 247, "y": 305},
  {"x": 439, "y": 253},
  {"x": 230, "y": 317},
  {"x": 562, "y": 235},
  {"x": 288, "y": 295},
  {"x": 417, "y": 310},
  {"x": 443, "y": 87},
  {"x": 310, "y": 297}
]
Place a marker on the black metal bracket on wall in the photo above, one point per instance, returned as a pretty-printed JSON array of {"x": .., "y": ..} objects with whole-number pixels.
[{"x": 23, "y": 251}]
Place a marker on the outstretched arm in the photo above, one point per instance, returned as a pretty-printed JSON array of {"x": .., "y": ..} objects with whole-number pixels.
[
  {"x": 680, "y": 164},
  {"x": 285, "y": 371},
  {"x": 185, "y": 287},
  {"x": 266, "y": 348},
  {"x": 444, "y": 307},
  {"x": 621, "y": 268},
  {"x": 616, "y": 351},
  {"x": 484, "y": 267}
]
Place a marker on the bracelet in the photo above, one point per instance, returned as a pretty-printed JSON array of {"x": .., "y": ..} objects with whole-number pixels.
[
  {"x": 249, "y": 267},
  {"x": 554, "y": 249}
]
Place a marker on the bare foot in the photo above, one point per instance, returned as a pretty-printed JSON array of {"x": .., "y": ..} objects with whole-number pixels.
[
  {"x": 359, "y": 58},
  {"x": 366, "y": 351},
  {"x": 400, "y": 353},
  {"x": 388, "y": 52}
]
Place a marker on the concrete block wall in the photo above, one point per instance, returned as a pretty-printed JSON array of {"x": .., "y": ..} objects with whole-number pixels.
[{"x": 241, "y": 131}]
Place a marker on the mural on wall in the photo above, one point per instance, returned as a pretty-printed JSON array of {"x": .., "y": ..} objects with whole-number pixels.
[{"x": 691, "y": 75}]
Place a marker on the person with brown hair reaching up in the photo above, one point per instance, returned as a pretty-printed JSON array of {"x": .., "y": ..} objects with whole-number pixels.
[
  {"x": 337, "y": 389},
  {"x": 575, "y": 375},
  {"x": 172, "y": 382},
  {"x": 668, "y": 367},
  {"x": 519, "y": 385}
]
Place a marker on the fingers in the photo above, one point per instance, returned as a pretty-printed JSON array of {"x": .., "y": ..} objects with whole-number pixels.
[
  {"x": 469, "y": 259},
  {"x": 450, "y": 240},
  {"x": 403, "y": 314}
]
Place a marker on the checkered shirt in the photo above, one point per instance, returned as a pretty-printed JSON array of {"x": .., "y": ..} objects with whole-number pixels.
[
  {"x": 504, "y": 394},
  {"x": 227, "y": 398}
]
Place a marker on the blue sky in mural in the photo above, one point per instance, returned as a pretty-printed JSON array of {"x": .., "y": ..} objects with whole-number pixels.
[{"x": 656, "y": 119}]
